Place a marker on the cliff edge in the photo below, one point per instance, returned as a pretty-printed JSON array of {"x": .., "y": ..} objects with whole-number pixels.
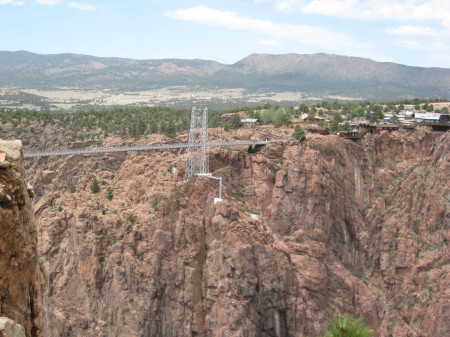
[{"x": 20, "y": 275}]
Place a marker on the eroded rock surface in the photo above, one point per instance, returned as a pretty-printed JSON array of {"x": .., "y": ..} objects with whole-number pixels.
[
  {"x": 9, "y": 328},
  {"x": 20, "y": 275},
  {"x": 306, "y": 230}
]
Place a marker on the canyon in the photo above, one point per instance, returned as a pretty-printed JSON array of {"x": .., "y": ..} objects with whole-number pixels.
[{"x": 306, "y": 230}]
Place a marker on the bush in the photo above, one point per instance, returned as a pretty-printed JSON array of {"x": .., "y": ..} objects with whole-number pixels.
[
  {"x": 236, "y": 121},
  {"x": 157, "y": 200},
  {"x": 298, "y": 134},
  {"x": 72, "y": 189},
  {"x": 348, "y": 326},
  {"x": 95, "y": 188},
  {"x": 109, "y": 195}
]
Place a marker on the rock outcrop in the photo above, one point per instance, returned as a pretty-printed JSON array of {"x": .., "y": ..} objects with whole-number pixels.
[
  {"x": 20, "y": 275},
  {"x": 306, "y": 230},
  {"x": 9, "y": 328}
]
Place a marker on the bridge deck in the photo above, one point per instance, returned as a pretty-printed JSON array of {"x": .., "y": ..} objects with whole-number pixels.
[{"x": 151, "y": 147}]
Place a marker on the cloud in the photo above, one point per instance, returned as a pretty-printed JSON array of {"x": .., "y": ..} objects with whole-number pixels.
[
  {"x": 403, "y": 10},
  {"x": 289, "y": 5},
  {"x": 82, "y": 6},
  {"x": 433, "y": 44},
  {"x": 309, "y": 35},
  {"x": 11, "y": 2},
  {"x": 48, "y": 2},
  {"x": 269, "y": 42},
  {"x": 417, "y": 31}
]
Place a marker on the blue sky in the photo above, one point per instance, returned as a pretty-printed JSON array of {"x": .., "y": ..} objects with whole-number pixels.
[{"x": 411, "y": 32}]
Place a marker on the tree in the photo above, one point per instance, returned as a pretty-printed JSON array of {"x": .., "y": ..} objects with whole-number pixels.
[
  {"x": 348, "y": 326},
  {"x": 334, "y": 124},
  {"x": 346, "y": 127},
  {"x": 236, "y": 121},
  {"x": 170, "y": 129},
  {"x": 358, "y": 112},
  {"x": 153, "y": 127},
  {"x": 95, "y": 188},
  {"x": 281, "y": 116},
  {"x": 311, "y": 115},
  {"x": 298, "y": 134},
  {"x": 303, "y": 108}
]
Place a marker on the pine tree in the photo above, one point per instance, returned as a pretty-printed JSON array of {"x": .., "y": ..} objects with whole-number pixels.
[{"x": 95, "y": 188}]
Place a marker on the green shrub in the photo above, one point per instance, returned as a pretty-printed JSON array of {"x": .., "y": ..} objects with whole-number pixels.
[
  {"x": 95, "y": 188},
  {"x": 109, "y": 195},
  {"x": 157, "y": 200},
  {"x": 348, "y": 326},
  {"x": 298, "y": 134},
  {"x": 72, "y": 189}
]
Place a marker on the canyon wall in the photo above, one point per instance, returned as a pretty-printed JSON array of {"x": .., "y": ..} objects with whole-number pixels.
[
  {"x": 306, "y": 230},
  {"x": 21, "y": 278}
]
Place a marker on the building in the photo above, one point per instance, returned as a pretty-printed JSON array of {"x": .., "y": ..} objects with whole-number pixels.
[
  {"x": 438, "y": 122},
  {"x": 431, "y": 118},
  {"x": 318, "y": 130},
  {"x": 250, "y": 122}
]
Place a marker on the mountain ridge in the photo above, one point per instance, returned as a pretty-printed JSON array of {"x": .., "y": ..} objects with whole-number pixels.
[{"x": 321, "y": 73}]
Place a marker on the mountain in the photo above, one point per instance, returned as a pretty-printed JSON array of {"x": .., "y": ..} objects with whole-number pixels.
[{"x": 321, "y": 74}]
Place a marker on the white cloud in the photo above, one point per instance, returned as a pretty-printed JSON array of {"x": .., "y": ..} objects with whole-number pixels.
[
  {"x": 432, "y": 43},
  {"x": 11, "y": 2},
  {"x": 309, "y": 35},
  {"x": 289, "y": 5},
  {"x": 48, "y": 2},
  {"x": 269, "y": 42},
  {"x": 82, "y": 6},
  {"x": 413, "y": 31},
  {"x": 302, "y": 37},
  {"x": 404, "y": 10},
  {"x": 330, "y": 7}
]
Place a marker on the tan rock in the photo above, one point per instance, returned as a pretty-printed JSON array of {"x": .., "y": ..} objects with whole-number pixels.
[{"x": 9, "y": 328}]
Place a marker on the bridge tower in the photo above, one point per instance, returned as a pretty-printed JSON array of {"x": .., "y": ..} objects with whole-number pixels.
[{"x": 197, "y": 161}]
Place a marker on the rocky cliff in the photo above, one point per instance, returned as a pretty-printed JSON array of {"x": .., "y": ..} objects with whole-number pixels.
[
  {"x": 306, "y": 230},
  {"x": 20, "y": 275}
]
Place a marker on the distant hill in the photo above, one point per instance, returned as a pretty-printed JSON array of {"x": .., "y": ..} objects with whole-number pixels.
[{"x": 321, "y": 74}]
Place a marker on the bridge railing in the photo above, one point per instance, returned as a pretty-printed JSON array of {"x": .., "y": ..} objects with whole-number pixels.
[{"x": 150, "y": 147}]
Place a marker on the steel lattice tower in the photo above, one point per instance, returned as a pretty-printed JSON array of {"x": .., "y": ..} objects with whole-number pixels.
[{"x": 197, "y": 161}]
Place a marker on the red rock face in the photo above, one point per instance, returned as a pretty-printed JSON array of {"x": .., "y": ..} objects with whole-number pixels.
[
  {"x": 20, "y": 275},
  {"x": 306, "y": 230}
]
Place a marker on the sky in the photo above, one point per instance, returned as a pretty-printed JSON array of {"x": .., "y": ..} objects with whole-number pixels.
[{"x": 410, "y": 32}]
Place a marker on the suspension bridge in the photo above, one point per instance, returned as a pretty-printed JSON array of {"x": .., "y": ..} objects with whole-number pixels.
[
  {"x": 150, "y": 147},
  {"x": 197, "y": 162}
]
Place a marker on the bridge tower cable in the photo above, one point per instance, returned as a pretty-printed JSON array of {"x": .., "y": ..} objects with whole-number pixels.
[{"x": 197, "y": 161}]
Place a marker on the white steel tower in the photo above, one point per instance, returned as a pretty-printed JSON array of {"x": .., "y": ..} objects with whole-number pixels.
[{"x": 197, "y": 161}]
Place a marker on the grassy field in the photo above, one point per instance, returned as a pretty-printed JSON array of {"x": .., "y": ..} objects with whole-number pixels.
[{"x": 176, "y": 96}]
